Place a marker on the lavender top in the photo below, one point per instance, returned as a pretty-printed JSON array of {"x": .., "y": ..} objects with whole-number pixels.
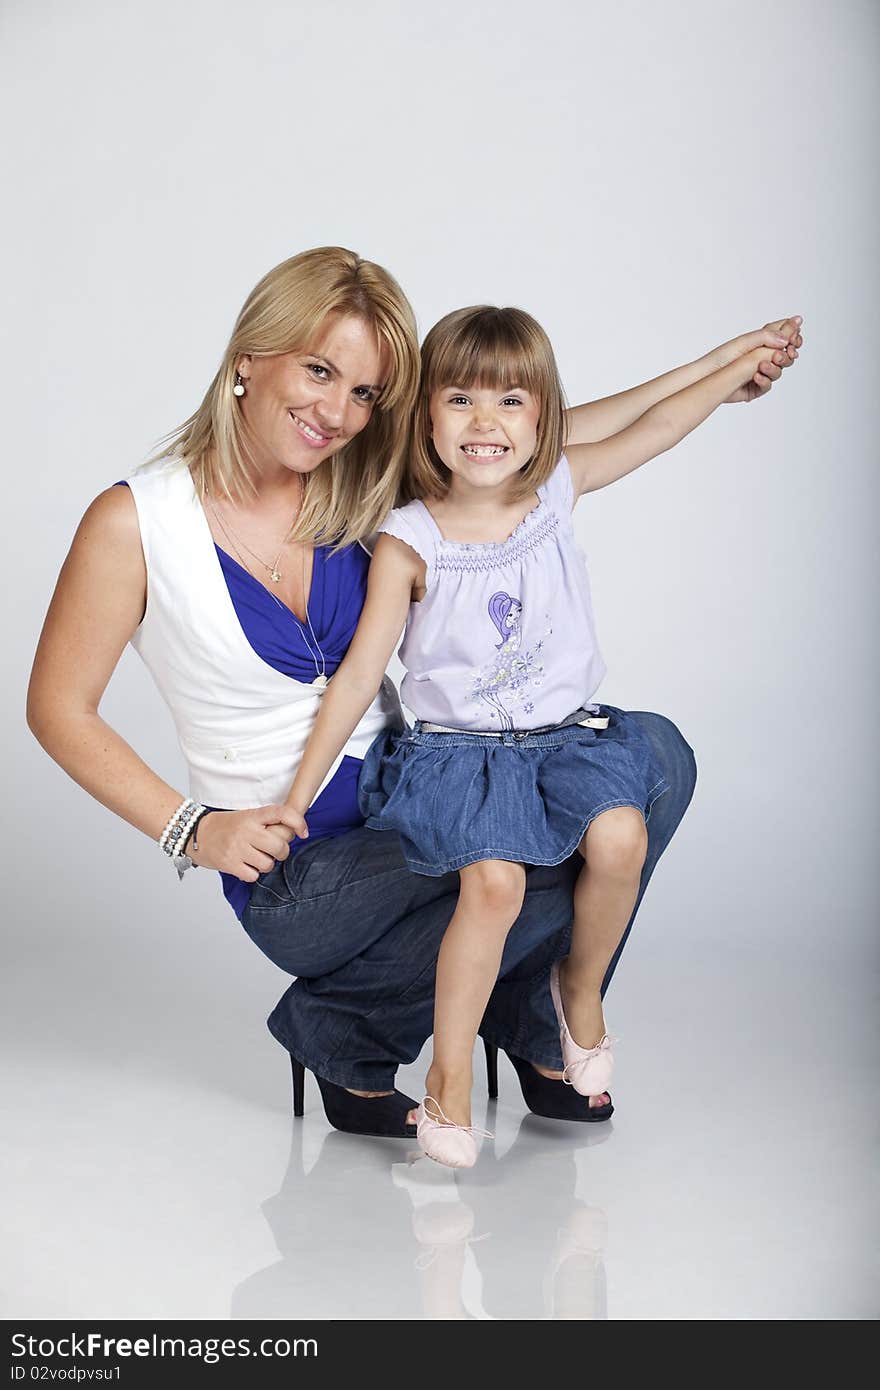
[{"x": 504, "y": 637}]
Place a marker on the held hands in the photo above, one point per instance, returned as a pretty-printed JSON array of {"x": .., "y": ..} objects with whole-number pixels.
[
  {"x": 296, "y": 820},
  {"x": 246, "y": 843},
  {"x": 770, "y": 349}
]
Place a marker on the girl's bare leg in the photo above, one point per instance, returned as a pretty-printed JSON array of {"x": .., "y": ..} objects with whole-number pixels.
[
  {"x": 614, "y": 850},
  {"x": 489, "y": 903}
]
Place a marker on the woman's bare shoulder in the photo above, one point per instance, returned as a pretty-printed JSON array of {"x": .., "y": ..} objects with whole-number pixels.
[
  {"x": 107, "y": 544},
  {"x": 112, "y": 515}
]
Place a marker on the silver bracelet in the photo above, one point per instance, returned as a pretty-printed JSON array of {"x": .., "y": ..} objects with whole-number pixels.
[
  {"x": 177, "y": 832},
  {"x": 182, "y": 834},
  {"x": 173, "y": 823}
]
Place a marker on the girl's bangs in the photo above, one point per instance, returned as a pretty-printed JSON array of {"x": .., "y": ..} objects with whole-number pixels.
[{"x": 486, "y": 355}]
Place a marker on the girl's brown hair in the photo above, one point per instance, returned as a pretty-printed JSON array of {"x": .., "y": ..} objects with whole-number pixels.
[
  {"x": 350, "y": 494},
  {"x": 496, "y": 349}
]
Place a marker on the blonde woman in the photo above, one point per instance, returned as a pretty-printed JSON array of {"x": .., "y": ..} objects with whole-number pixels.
[{"x": 233, "y": 567}]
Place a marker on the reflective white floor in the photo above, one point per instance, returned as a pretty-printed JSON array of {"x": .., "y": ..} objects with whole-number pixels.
[{"x": 153, "y": 1168}]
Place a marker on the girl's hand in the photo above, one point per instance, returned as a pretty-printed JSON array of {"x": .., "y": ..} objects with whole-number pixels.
[
  {"x": 780, "y": 341},
  {"x": 244, "y": 843},
  {"x": 296, "y": 820}
]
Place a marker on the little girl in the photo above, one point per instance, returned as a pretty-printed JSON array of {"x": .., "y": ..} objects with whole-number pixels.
[{"x": 508, "y": 764}]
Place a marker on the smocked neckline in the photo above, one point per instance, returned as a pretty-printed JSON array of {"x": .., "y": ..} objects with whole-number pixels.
[{"x": 515, "y": 534}]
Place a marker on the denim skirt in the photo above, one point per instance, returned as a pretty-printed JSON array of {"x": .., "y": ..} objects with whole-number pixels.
[{"x": 458, "y": 798}]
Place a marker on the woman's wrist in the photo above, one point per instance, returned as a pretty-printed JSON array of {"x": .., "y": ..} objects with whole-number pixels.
[
  {"x": 191, "y": 843},
  {"x": 177, "y": 831},
  {"x": 201, "y": 847}
]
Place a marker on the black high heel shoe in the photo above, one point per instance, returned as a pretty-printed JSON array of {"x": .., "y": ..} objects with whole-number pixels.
[
  {"x": 550, "y": 1099},
  {"x": 383, "y": 1117}
]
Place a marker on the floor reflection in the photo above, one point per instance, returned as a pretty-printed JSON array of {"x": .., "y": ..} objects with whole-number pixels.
[{"x": 369, "y": 1230}]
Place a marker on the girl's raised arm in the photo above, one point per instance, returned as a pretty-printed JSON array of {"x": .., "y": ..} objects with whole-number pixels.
[
  {"x": 394, "y": 571},
  {"x": 781, "y": 339},
  {"x": 660, "y": 428}
]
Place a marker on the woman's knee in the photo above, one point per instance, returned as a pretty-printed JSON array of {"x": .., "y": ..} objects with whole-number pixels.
[
  {"x": 672, "y": 751},
  {"x": 495, "y": 886},
  {"x": 616, "y": 842}
]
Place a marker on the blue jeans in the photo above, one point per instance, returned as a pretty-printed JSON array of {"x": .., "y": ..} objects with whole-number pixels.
[{"x": 362, "y": 933}]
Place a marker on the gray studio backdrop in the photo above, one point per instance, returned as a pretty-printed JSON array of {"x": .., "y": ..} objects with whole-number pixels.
[{"x": 648, "y": 180}]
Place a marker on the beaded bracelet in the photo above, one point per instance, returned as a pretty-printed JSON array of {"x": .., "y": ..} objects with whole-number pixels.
[
  {"x": 177, "y": 832},
  {"x": 179, "y": 858},
  {"x": 181, "y": 835},
  {"x": 174, "y": 822},
  {"x": 203, "y": 811}
]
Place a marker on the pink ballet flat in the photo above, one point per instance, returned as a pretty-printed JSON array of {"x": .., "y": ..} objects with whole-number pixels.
[
  {"x": 445, "y": 1142},
  {"x": 587, "y": 1069}
]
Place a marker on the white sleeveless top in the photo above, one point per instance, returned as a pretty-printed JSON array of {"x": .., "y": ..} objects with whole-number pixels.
[{"x": 242, "y": 725}]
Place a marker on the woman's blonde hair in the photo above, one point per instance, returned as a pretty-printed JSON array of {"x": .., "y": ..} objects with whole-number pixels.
[
  {"x": 495, "y": 349},
  {"x": 347, "y": 496}
]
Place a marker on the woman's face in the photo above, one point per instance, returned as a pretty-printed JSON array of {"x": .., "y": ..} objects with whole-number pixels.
[{"x": 301, "y": 407}]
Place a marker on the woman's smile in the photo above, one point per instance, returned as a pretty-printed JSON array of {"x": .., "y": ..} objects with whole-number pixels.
[{"x": 312, "y": 436}]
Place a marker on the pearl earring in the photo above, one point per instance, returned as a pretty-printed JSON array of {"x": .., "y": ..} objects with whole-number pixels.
[{"x": 238, "y": 388}]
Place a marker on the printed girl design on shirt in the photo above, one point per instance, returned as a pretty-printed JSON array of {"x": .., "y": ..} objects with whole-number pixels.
[{"x": 512, "y": 671}]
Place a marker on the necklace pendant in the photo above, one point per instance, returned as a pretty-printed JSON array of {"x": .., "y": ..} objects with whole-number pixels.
[
  {"x": 320, "y": 681},
  {"x": 275, "y": 576}
]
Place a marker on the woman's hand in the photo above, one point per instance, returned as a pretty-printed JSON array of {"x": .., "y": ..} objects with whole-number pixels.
[
  {"x": 244, "y": 843},
  {"x": 780, "y": 341}
]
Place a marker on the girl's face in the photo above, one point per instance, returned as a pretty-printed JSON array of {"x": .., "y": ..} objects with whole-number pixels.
[
  {"x": 484, "y": 435},
  {"x": 301, "y": 407}
]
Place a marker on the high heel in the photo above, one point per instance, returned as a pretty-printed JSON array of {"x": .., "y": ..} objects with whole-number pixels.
[
  {"x": 554, "y": 1100},
  {"x": 299, "y": 1086},
  {"x": 491, "y": 1069},
  {"x": 587, "y": 1069},
  {"x": 448, "y": 1143},
  {"x": 382, "y": 1117}
]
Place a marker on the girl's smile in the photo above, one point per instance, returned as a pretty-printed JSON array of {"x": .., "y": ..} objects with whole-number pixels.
[
  {"x": 483, "y": 435},
  {"x": 484, "y": 451}
]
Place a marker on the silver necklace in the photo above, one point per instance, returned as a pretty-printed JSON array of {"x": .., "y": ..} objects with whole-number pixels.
[{"x": 321, "y": 677}]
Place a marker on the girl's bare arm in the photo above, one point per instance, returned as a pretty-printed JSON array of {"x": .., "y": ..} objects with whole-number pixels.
[
  {"x": 597, "y": 420},
  {"x": 395, "y": 570},
  {"x": 661, "y": 427}
]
